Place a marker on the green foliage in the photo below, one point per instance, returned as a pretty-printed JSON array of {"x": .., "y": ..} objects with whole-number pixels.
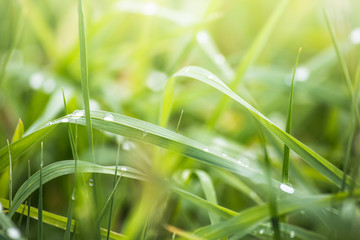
[{"x": 175, "y": 96}]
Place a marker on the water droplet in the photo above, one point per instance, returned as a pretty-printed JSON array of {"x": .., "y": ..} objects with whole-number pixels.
[
  {"x": 244, "y": 162},
  {"x": 287, "y": 188},
  {"x": 224, "y": 154},
  {"x": 78, "y": 114},
  {"x": 109, "y": 117},
  {"x": 73, "y": 196},
  {"x": 187, "y": 70},
  {"x": 150, "y": 8},
  {"x": 127, "y": 146},
  {"x": 156, "y": 81},
  {"x": 94, "y": 105},
  {"x": 91, "y": 182},
  {"x": 49, "y": 124},
  {"x": 292, "y": 234},
  {"x": 13, "y": 233},
  {"x": 202, "y": 37},
  {"x": 36, "y": 80},
  {"x": 219, "y": 59},
  {"x": 355, "y": 36},
  {"x": 211, "y": 76},
  {"x": 144, "y": 133},
  {"x": 64, "y": 120},
  {"x": 261, "y": 232},
  {"x": 302, "y": 74},
  {"x": 206, "y": 149},
  {"x": 49, "y": 85},
  {"x": 124, "y": 169}
]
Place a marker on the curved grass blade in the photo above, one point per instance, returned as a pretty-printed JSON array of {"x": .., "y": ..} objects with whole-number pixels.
[
  {"x": 250, "y": 57},
  {"x": 310, "y": 156},
  {"x": 286, "y": 160},
  {"x": 19, "y": 131},
  {"x": 56, "y": 220},
  {"x": 84, "y": 76},
  {"x": 247, "y": 220},
  {"x": 209, "y": 190},
  {"x": 63, "y": 168}
]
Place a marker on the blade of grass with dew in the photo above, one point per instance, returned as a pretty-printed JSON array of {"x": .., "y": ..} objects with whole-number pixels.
[
  {"x": 250, "y": 57},
  {"x": 286, "y": 159},
  {"x": 209, "y": 190},
  {"x": 84, "y": 76},
  {"x": 273, "y": 209},
  {"x": 67, "y": 234},
  {"x": 40, "y": 207},
  {"x": 236, "y": 183},
  {"x": 114, "y": 187},
  {"x": 19, "y": 131},
  {"x": 55, "y": 220},
  {"x": 310, "y": 156},
  {"x": 27, "y": 231},
  {"x": 10, "y": 174},
  {"x": 155, "y": 135},
  {"x": 247, "y": 220},
  {"x": 61, "y": 168}
]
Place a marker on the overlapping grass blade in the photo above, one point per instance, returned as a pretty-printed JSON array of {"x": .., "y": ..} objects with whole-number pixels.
[
  {"x": 55, "y": 220},
  {"x": 310, "y": 156},
  {"x": 27, "y": 231},
  {"x": 247, "y": 220},
  {"x": 250, "y": 57},
  {"x": 19, "y": 131},
  {"x": 21, "y": 146},
  {"x": 286, "y": 160},
  {"x": 209, "y": 190},
  {"x": 61, "y": 168}
]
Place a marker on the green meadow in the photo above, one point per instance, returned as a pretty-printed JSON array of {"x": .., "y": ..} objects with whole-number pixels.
[{"x": 179, "y": 119}]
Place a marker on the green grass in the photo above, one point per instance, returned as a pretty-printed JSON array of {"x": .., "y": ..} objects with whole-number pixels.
[{"x": 179, "y": 120}]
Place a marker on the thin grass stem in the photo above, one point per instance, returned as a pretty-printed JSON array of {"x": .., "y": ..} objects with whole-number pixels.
[
  {"x": 40, "y": 205},
  {"x": 10, "y": 175}
]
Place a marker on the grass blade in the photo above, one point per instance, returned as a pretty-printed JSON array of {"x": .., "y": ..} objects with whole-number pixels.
[
  {"x": 272, "y": 194},
  {"x": 84, "y": 76},
  {"x": 310, "y": 156},
  {"x": 40, "y": 214},
  {"x": 114, "y": 187},
  {"x": 61, "y": 168},
  {"x": 286, "y": 161},
  {"x": 55, "y": 220},
  {"x": 250, "y": 57},
  {"x": 19, "y": 131},
  {"x": 27, "y": 232},
  {"x": 338, "y": 54},
  {"x": 209, "y": 190},
  {"x": 10, "y": 175},
  {"x": 67, "y": 234}
]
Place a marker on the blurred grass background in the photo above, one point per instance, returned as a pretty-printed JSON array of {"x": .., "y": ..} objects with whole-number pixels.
[{"x": 135, "y": 46}]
